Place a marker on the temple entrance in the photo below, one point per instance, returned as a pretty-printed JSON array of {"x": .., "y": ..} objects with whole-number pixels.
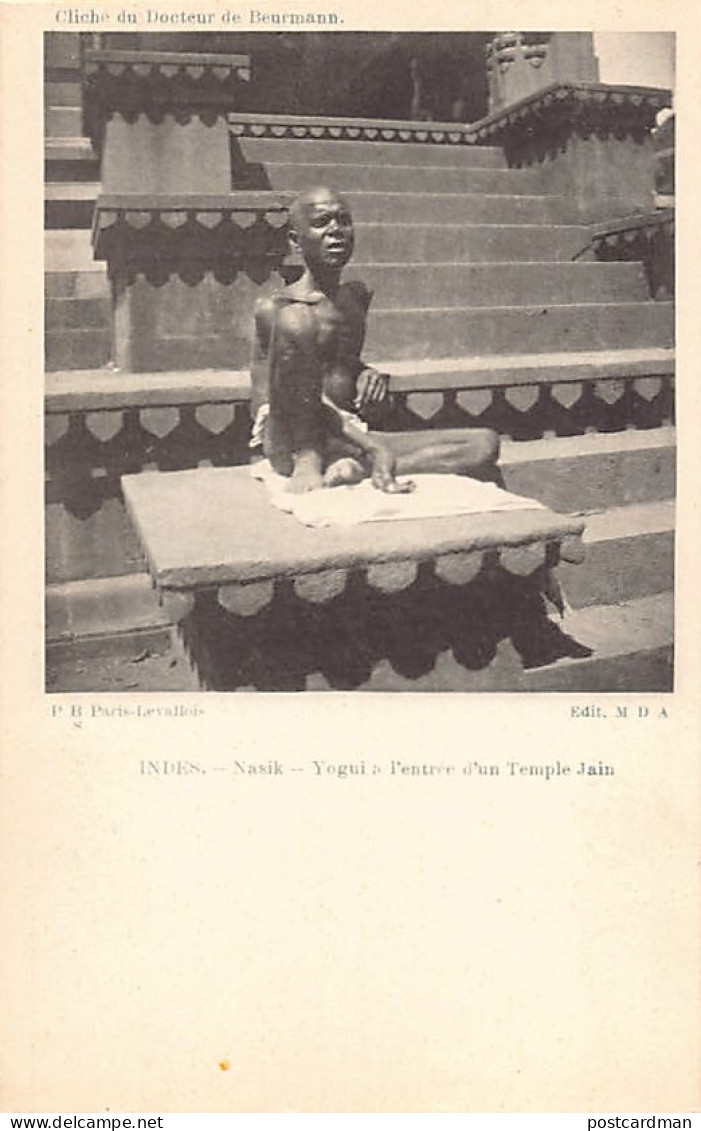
[{"x": 430, "y": 76}]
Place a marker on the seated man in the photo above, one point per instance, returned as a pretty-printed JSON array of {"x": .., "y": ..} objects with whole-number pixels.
[{"x": 309, "y": 381}]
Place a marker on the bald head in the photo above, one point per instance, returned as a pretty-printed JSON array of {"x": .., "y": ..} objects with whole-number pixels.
[
  {"x": 321, "y": 227},
  {"x": 312, "y": 199}
]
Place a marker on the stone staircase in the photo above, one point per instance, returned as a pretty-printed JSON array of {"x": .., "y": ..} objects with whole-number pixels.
[
  {"x": 77, "y": 294},
  {"x": 485, "y": 312},
  {"x": 464, "y": 252}
]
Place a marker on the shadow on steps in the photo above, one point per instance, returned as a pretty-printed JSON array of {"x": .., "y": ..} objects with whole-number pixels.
[{"x": 347, "y": 639}]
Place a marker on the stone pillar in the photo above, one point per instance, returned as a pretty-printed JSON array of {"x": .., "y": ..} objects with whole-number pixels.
[
  {"x": 186, "y": 270},
  {"x": 143, "y": 156},
  {"x": 572, "y": 58},
  {"x": 520, "y": 63},
  {"x": 158, "y": 118}
]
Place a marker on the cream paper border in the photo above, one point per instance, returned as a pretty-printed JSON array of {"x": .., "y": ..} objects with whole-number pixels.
[{"x": 370, "y": 944}]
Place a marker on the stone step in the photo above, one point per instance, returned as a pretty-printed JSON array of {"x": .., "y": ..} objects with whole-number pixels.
[
  {"x": 70, "y": 160},
  {"x": 70, "y": 204},
  {"x": 68, "y": 149},
  {"x": 78, "y": 314},
  {"x": 101, "y": 607},
  {"x": 95, "y": 390},
  {"x": 62, "y": 93},
  {"x": 455, "y": 207},
  {"x": 109, "y": 635},
  {"x": 450, "y": 332},
  {"x": 88, "y": 283},
  {"x": 63, "y": 121},
  {"x": 69, "y": 250},
  {"x": 399, "y": 285},
  {"x": 366, "y": 153},
  {"x": 77, "y": 348},
  {"x": 59, "y": 172},
  {"x": 625, "y": 648},
  {"x": 621, "y": 648},
  {"x": 558, "y": 366},
  {"x": 469, "y": 243},
  {"x": 148, "y": 659},
  {"x": 292, "y": 176},
  {"x": 631, "y": 646},
  {"x": 629, "y": 554},
  {"x": 583, "y": 474}
]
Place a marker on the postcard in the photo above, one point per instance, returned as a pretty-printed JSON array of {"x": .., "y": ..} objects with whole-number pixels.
[{"x": 350, "y": 731}]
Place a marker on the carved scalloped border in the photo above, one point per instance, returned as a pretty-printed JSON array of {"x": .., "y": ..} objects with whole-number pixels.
[
  {"x": 318, "y": 130},
  {"x": 236, "y": 221},
  {"x": 619, "y": 233},
  {"x": 161, "y": 417},
  {"x": 246, "y": 599},
  {"x": 567, "y": 98},
  {"x": 182, "y": 87},
  {"x": 147, "y": 70},
  {"x": 140, "y": 218}
]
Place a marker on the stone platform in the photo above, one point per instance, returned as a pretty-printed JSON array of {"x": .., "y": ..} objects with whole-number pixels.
[{"x": 266, "y": 602}]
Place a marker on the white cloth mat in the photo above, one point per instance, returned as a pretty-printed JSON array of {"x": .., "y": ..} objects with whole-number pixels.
[{"x": 435, "y": 496}]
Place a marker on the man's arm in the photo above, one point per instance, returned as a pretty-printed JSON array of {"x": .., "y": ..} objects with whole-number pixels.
[
  {"x": 263, "y": 318},
  {"x": 371, "y": 386}
]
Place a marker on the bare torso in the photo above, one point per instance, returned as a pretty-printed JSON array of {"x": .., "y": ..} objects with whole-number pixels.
[
  {"x": 339, "y": 330},
  {"x": 308, "y": 346}
]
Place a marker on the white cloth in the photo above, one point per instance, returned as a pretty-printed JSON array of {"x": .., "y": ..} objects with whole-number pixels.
[
  {"x": 435, "y": 496},
  {"x": 261, "y": 420},
  {"x": 258, "y": 429}
]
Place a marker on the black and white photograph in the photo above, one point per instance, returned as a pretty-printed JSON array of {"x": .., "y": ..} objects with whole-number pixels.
[
  {"x": 343, "y": 365},
  {"x": 359, "y": 353}
]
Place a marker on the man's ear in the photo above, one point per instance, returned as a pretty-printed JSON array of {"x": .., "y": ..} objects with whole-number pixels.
[
  {"x": 293, "y": 238},
  {"x": 294, "y": 252}
]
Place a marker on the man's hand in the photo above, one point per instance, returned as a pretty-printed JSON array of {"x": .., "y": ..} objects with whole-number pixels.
[
  {"x": 383, "y": 477},
  {"x": 372, "y": 388}
]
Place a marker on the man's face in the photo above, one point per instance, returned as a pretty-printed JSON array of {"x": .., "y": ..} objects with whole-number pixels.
[{"x": 323, "y": 230}]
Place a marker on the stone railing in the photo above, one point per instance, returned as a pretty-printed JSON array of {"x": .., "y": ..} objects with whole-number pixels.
[
  {"x": 647, "y": 238},
  {"x": 527, "y": 127},
  {"x": 103, "y": 425},
  {"x": 499, "y": 392},
  {"x": 165, "y": 122},
  {"x": 592, "y": 140},
  {"x": 349, "y": 129}
]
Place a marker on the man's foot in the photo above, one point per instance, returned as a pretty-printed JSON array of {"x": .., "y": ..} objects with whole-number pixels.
[
  {"x": 306, "y": 475},
  {"x": 305, "y": 479},
  {"x": 383, "y": 477},
  {"x": 343, "y": 472}
]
